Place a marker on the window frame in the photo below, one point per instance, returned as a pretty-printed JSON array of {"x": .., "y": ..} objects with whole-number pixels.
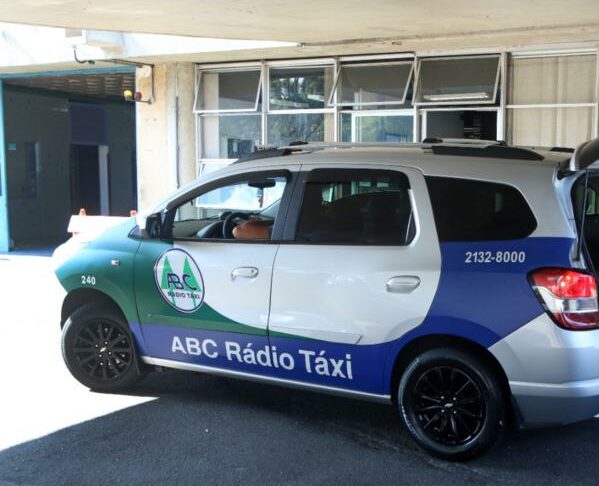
[
  {"x": 298, "y": 68},
  {"x": 199, "y": 86},
  {"x": 465, "y": 101},
  {"x": 356, "y": 114},
  {"x": 334, "y": 95},
  {"x": 297, "y": 198},
  {"x": 424, "y": 112},
  {"x": 173, "y": 205}
]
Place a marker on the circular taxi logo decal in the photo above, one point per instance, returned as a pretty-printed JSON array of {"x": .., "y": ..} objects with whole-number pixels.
[{"x": 179, "y": 280}]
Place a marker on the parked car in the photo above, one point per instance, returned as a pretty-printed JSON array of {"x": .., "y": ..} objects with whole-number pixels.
[{"x": 446, "y": 278}]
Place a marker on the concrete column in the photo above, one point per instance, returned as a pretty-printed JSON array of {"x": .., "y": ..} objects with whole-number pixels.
[
  {"x": 166, "y": 137},
  {"x": 4, "y": 225},
  {"x": 186, "y": 128}
]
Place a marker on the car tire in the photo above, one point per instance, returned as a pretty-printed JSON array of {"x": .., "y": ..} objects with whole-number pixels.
[
  {"x": 99, "y": 350},
  {"x": 451, "y": 403}
]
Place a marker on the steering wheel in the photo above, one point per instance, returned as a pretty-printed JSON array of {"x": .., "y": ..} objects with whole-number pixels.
[{"x": 230, "y": 222}]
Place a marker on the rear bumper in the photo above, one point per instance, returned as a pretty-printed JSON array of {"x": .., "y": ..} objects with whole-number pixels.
[
  {"x": 540, "y": 404},
  {"x": 553, "y": 372}
]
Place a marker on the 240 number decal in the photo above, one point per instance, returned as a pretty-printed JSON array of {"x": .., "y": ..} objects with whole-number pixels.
[
  {"x": 495, "y": 257},
  {"x": 88, "y": 280}
]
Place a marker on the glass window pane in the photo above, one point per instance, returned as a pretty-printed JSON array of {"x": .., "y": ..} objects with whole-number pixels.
[
  {"x": 390, "y": 128},
  {"x": 231, "y": 136},
  {"x": 550, "y": 127},
  {"x": 356, "y": 206},
  {"x": 242, "y": 197},
  {"x": 366, "y": 83},
  {"x": 256, "y": 206},
  {"x": 346, "y": 127},
  {"x": 284, "y": 129},
  {"x": 549, "y": 80},
  {"x": 480, "y": 125},
  {"x": 458, "y": 80},
  {"x": 234, "y": 90},
  {"x": 470, "y": 210},
  {"x": 300, "y": 88}
]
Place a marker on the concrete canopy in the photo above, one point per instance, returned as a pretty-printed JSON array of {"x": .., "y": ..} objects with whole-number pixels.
[{"x": 399, "y": 24}]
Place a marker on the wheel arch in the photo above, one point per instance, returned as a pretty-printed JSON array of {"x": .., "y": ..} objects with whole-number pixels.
[
  {"x": 425, "y": 343},
  {"x": 82, "y": 296}
]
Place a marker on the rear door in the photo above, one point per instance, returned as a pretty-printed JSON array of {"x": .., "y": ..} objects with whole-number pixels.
[{"x": 361, "y": 270}]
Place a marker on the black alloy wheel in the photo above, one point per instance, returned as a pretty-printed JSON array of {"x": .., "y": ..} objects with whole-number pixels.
[
  {"x": 449, "y": 405},
  {"x": 102, "y": 350},
  {"x": 452, "y": 403},
  {"x": 98, "y": 348}
]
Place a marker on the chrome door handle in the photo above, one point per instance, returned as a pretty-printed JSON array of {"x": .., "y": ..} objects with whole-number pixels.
[
  {"x": 403, "y": 284},
  {"x": 244, "y": 272}
]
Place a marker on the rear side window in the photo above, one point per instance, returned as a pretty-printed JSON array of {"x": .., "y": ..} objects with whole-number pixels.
[
  {"x": 470, "y": 210},
  {"x": 362, "y": 206}
]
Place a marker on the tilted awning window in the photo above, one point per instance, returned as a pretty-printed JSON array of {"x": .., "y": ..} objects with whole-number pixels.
[
  {"x": 373, "y": 83},
  {"x": 228, "y": 91},
  {"x": 458, "y": 80}
]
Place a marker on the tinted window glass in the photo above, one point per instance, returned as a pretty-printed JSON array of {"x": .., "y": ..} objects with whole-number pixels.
[
  {"x": 356, "y": 206},
  {"x": 469, "y": 210}
]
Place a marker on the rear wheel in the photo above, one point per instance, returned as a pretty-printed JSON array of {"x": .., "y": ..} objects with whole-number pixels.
[
  {"x": 451, "y": 403},
  {"x": 98, "y": 348}
]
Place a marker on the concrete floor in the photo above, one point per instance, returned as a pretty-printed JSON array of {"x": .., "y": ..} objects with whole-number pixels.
[{"x": 185, "y": 428}]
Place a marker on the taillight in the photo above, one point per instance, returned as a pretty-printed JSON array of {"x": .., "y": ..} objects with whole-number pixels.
[{"x": 569, "y": 296}]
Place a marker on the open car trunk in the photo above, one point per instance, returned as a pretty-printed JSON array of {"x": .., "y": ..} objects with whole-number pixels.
[{"x": 589, "y": 225}]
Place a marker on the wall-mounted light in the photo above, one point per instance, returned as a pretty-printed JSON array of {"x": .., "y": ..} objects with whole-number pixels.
[{"x": 135, "y": 97}]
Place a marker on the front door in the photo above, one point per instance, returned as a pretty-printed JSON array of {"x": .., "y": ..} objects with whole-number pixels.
[
  {"x": 203, "y": 295},
  {"x": 361, "y": 271}
]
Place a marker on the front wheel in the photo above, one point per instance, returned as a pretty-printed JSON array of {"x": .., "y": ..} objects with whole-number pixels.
[
  {"x": 98, "y": 349},
  {"x": 451, "y": 403}
]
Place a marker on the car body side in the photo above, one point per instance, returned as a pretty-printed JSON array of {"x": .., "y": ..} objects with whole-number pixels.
[{"x": 489, "y": 309}]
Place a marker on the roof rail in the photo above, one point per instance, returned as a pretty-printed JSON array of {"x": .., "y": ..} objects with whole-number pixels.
[
  {"x": 305, "y": 147},
  {"x": 567, "y": 150},
  {"x": 448, "y": 146},
  {"x": 462, "y": 141},
  {"x": 267, "y": 153},
  {"x": 491, "y": 151}
]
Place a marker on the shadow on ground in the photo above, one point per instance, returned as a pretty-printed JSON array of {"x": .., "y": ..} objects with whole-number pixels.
[{"x": 209, "y": 430}]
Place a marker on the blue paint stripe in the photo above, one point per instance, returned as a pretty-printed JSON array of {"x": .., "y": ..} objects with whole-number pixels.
[
  {"x": 482, "y": 300},
  {"x": 359, "y": 367}
]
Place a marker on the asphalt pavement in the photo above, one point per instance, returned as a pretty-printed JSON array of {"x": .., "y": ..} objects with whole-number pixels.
[{"x": 187, "y": 428}]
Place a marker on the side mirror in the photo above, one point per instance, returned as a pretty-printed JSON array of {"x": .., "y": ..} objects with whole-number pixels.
[{"x": 154, "y": 226}]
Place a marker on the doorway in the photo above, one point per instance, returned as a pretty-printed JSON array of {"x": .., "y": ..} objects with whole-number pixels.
[{"x": 90, "y": 176}]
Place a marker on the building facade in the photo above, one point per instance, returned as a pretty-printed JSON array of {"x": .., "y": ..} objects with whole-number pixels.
[{"x": 205, "y": 103}]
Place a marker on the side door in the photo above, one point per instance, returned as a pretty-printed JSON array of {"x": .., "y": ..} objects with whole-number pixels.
[
  {"x": 360, "y": 270},
  {"x": 203, "y": 296}
]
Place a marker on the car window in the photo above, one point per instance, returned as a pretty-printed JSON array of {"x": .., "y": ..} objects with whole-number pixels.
[
  {"x": 472, "y": 210},
  {"x": 349, "y": 206},
  {"x": 204, "y": 216}
]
